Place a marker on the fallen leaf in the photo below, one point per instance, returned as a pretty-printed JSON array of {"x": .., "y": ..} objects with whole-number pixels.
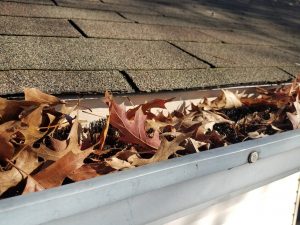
[
  {"x": 11, "y": 109},
  {"x": 118, "y": 164},
  {"x": 72, "y": 144},
  {"x": 227, "y": 100},
  {"x": 27, "y": 161},
  {"x": 165, "y": 150},
  {"x": 33, "y": 121},
  {"x": 32, "y": 186},
  {"x": 256, "y": 134},
  {"x": 133, "y": 131},
  {"x": 6, "y": 148},
  {"x": 91, "y": 170},
  {"x": 55, "y": 174},
  {"x": 295, "y": 118},
  {"x": 35, "y": 95},
  {"x": 156, "y": 103}
]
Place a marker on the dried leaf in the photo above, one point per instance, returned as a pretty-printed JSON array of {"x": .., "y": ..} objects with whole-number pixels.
[
  {"x": 118, "y": 164},
  {"x": 58, "y": 145},
  {"x": 165, "y": 150},
  {"x": 295, "y": 119},
  {"x": 227, "y": 100},
  {"x": 35, "y": 95},
  {"x": 11, "y": 109},
  {"x": 133, "y": 131},
  {"x": 27, "y": 161},
  {"x": 55, "y": 174},
  {"x": 33, "y": 121},
  {"x": 156, "y": 103},
  {"x": 90, "y": 171},
  {"x": 256, "y": 134},
  {"x": 6, "y": 147},
  {"x": 32, "y": 186}
]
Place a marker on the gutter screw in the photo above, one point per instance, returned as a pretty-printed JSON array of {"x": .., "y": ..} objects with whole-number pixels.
[{"x": 253, "y": 157}]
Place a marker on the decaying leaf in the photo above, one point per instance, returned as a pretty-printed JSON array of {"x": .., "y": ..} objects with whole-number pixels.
[
  {"x": 32, "y": 185},
  {"x": 71, "y": 159},
  {"x": 227, "y": 100},
  {"x": 26, "y": 162},
  {"x": 55, "y": 174},
  {"x": 133, "y": 131},
  {"x": 295, "y": 118},
  {"x": 35, "y": 95},
  {"x": 156, "y": 103},
  {"x": 10, "y": 109},
  {"x": 118, "y": 164},
  {"x": 165, "y": 150}
]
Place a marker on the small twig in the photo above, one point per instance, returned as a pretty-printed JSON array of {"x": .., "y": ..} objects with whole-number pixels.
[
  {"x": 93, "y": 114},
  {"x": 129, "y": 100},
  {"x": 18, "y": 168},
  {"x": 17, "y": 155}
]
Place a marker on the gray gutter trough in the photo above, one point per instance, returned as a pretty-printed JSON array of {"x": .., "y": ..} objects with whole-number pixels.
[{"x": 162, "y": 192}]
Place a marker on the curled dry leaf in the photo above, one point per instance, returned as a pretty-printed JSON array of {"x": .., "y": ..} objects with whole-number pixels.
[
  {"x": 156, "y": 103},
  {"x": 227, "y": 100},
  {"x": 26, "y": 162},
  {"x": 118, "y": 164},
  {"x": 295, "y": 118},
  {"x": 55, "y": 174},
  {"x": 6, "y": 147},
  {"x": 11, "y": 109},
  {"x": 35, "y": 95},
  {"x": 58, "y": 152}
]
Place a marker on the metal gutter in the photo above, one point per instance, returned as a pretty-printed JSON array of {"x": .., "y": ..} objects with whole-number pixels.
[{"x": 155, "y": 194}]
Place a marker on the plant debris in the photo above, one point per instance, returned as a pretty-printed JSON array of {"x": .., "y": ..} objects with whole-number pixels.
[{"x": 43, "y": 146}]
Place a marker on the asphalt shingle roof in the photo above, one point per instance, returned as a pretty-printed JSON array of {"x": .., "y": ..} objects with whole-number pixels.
[{"x": 74, "y": 46}]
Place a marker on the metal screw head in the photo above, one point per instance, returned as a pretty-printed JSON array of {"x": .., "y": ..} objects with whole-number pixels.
[{"x": 253, "y": 157}]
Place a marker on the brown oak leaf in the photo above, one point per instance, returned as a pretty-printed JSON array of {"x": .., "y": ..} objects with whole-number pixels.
[
  {"x": 165, "y": 150},
  {"x": 156, "y": 103},
  {"x": 27, "y": 161},
  {"x": 32, "y": 186},
  {"x": 132, "y": 131},
  {"x": 35, "y": 95}
]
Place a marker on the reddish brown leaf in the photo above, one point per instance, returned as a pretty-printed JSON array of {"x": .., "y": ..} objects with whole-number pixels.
[
  {"x": 11, "y": 109},
  {"x": 90, "y": 171},
  {"x": 32, "y": 186},
  {"x": 156, "y": 103},
  {"x": 54, "y": 175},
  {"x": 133, "y": 131},
  {"x": 6, "y": 148}
]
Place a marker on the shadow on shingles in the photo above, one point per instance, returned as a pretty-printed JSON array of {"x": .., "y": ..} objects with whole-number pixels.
[{"x": 279, "y": 20}]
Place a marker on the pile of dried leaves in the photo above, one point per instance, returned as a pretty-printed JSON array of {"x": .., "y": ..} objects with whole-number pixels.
[{"x": 42, "y": 146}]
